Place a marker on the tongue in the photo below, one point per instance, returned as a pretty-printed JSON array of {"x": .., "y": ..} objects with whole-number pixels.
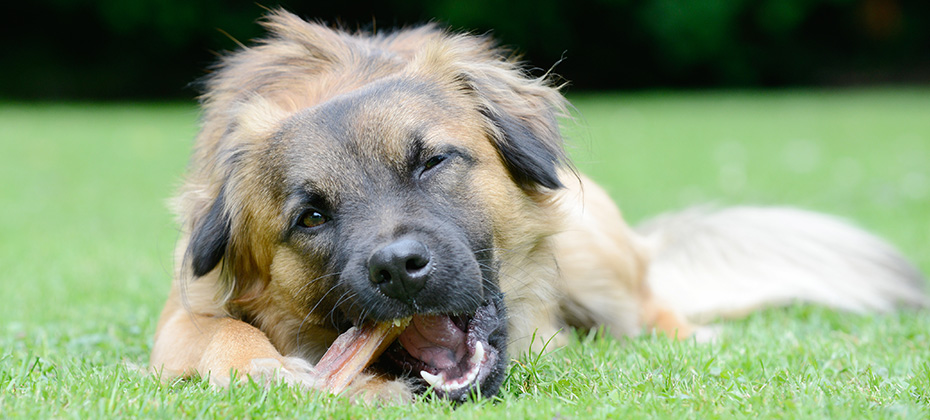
[{"x": 435, "y": 340}]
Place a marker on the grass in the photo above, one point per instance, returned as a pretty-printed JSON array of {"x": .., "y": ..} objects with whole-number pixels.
[{"x": 85, "y": 245}]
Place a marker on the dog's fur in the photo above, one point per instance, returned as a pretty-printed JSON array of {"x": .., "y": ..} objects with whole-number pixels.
[{"x": 320, "y": 147}]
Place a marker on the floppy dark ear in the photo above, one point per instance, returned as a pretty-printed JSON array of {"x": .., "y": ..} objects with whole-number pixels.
[
  {"x": 522, "y": 113},
  {"x": 530, "y": 159},
  {"x": 210, "y": 238}
]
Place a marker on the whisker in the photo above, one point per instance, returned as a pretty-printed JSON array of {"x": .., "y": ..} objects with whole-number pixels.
[
  {"x": 307, "y": 284},
  {"x": 346, "y": 296},
  {"x": 318, "y": 302}
]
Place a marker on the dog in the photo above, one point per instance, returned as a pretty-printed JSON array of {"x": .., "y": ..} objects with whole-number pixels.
[{"x": 345, "y": 178}]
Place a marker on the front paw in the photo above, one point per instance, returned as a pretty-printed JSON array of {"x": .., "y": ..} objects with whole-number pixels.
[
  {"x": 298, "y": 372},
  {"x": 378, "y": 390},
  {"x": 293, "y": 371}
]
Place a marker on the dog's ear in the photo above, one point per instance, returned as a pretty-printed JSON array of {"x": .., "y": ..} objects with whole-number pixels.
[
  {"x": 532, "y": 154},
  {"x": 522, "y": 115},
  {"x": 209, "y": 238}
]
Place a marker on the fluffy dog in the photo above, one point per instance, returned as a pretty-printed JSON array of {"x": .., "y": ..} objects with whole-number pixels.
[{"x": 342, "y": 179}]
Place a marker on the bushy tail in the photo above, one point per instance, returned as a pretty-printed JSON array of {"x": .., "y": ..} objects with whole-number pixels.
[{"x": 727, "y": 263}]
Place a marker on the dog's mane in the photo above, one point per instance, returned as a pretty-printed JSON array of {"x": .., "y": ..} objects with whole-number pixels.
[{"x": 301, "y": 64}]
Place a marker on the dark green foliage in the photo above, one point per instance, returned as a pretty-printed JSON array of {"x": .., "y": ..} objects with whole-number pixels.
[{"x": 154, "y": 48}]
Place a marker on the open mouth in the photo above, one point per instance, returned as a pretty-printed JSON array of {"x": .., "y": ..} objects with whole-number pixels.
[
  {"x": 456, "y": 356},
  {"x": 452, "y": 354}
]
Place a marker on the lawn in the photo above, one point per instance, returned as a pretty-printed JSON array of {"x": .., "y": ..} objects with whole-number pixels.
[{"x": 85, "y": 245}]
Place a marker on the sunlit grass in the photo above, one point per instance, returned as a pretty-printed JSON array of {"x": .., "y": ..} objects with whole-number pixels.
[{"x": 85, "y": 245}]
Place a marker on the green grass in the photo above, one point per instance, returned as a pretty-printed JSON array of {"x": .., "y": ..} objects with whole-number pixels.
[{"x": 85, "y": 245}]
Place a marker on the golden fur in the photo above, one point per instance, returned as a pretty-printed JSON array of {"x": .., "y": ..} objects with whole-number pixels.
[{"x": 564, "y": 255}]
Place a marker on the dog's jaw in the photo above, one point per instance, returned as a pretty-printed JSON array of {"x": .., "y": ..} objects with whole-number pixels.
[{"x": 454, "y": 356}]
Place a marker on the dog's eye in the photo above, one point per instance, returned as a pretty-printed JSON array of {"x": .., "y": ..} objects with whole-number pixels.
[
  {"x": 433, "y": 161},
  {"x": 311, "y": 218}
]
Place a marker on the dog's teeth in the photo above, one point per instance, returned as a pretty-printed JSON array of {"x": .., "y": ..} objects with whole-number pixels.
[
  {"x": 478, "y": 357},
  {"x": 439, "y": 381},
  {"x": 402, "y": 322},
  {"x": 436, "y": 381},
  {"x": 472, "y": 375}
]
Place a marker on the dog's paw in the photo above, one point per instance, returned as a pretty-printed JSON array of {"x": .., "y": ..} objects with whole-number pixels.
[
  {"x": 709, "y": 334},
  {"x": 294, "y": 371},
  {"x": 371, "y": 389},
  {"x": 290, "y": 370},
  {"x": 298, "y": 372},
  {"x": 268, "y": 371}
]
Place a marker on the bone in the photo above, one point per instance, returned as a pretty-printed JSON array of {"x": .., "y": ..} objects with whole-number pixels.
[{"x": 353, "y": 351}]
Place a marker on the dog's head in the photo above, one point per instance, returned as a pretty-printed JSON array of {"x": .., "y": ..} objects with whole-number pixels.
[{"x": 343, "y": 178}]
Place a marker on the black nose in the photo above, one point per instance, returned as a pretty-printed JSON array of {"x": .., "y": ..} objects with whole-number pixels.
[{"x": 400, "y": 268}]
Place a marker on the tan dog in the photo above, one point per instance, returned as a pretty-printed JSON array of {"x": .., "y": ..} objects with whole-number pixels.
[{"x": 345, "y": 180}]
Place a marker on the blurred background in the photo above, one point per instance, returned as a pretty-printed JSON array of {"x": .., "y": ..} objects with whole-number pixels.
[{"x": 153, "y": 49}]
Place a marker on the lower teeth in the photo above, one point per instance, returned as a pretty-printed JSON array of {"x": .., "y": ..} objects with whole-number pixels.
[{"x": 439, "y": 381}]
